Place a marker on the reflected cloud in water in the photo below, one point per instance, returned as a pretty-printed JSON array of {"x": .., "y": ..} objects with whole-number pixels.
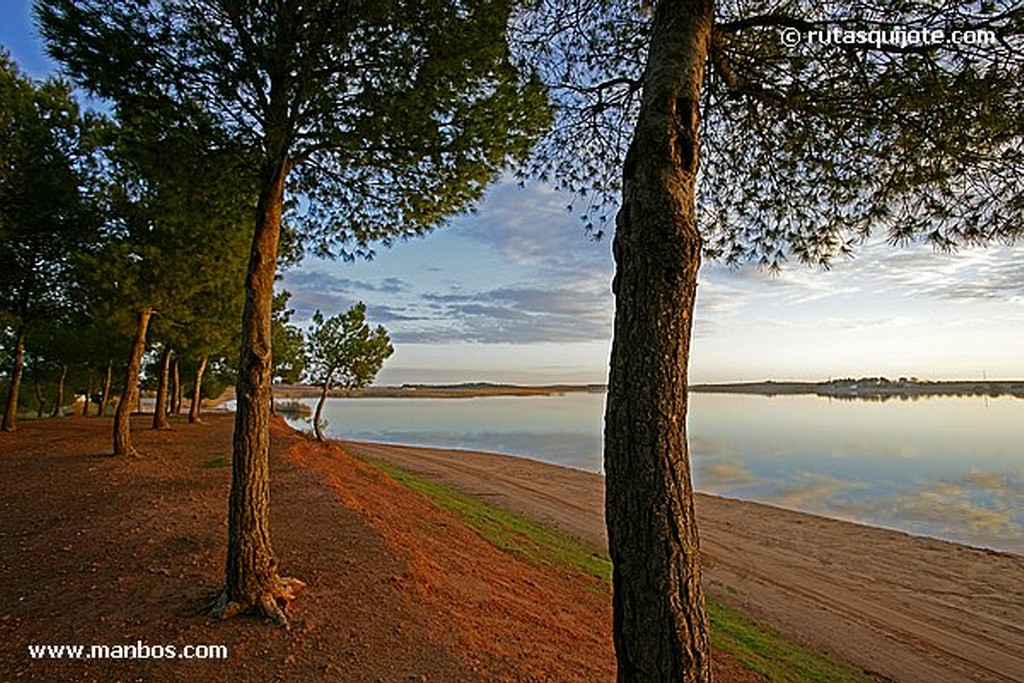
[{"x": 951, "y": 468}]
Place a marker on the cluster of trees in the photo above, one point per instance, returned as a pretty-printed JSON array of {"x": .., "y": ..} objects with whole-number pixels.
[
  {"x": 710, "y": 134},
  {"x": 118, "y": 235}
]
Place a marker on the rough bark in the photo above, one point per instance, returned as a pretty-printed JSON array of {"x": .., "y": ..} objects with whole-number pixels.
[
  {"x": 130, "y": 393},
  {"x": 660, "y": 623},
  {"x": 251, "y": 579},
  {"x": 160, "y": 407},
  {"x": 319, "y": 410},
  {"x": 105, "y": 395},
  {"x": 58, "y": 409},
  {"x": 11, "y": 411},
  {"x": 197, "y": 391}
]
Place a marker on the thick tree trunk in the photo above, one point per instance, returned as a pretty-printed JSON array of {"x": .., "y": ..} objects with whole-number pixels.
[
  {"x": 105, "y": 395},
  {"x": 251, "y": 579},
  {"x": 197, "y": 391},
  {"x": 58, "y": 409},
  {"x": 319, "y": 410},
  {"x": 130, "y": 393},
  {"x": 160, "y": 408},
  {"x": 11, "y": 411},
  {"x": 660, "y": 624}
]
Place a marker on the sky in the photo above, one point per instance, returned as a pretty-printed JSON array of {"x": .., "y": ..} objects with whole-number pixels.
[{"x": 517, "y": 292}]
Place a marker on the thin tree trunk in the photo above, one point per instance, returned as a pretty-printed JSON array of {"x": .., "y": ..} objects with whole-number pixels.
[
  {"x": 319, "y": 409},
  {"x": 40, "y": 399},
  {"x": 130, "y": 394},
  {"x": 105, "y": 395},
  {"x": 251, "y": 579},
  {"x": 58, "y": 409},
  {"x": 197, "y": 391},
  {"x": 88, "y": 392},
  {"x": 11, "y": 411},
  {"x": 660, "y": 623},
  {"x": 175, "y": 388},
  {"x": 160, "y": 409}
]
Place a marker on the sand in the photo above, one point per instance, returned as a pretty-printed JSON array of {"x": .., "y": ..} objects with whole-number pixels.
[{"x": 902, "y": 607}]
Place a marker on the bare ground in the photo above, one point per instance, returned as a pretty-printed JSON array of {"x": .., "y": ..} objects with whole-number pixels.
[
  {"x": 902, "y": 607},
  {"x": 99, "y": 550}
]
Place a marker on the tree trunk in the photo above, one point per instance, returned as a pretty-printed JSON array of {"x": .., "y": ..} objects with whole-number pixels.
[
  {"x": 40, "y": 399},
  {"x": 175, "y": 387},
  {"x": 88, "y": 393},
  {"x": 105, "y": 395},
  {"x": 58, "y": 410},
  {"x": 197, "y": 391},
  {"x": 11, "y": 411},
  {"x": 319, "y": 409},
  {"x": 160, "y": 408},
  {"x": 130, "y": 393},
  {"x": 251, "y": 579},
  {"x": 660, "y": 623}
]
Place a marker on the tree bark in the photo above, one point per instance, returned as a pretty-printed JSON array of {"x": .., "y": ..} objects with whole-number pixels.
[
  {"x": 160, "y": 408},
  {"x": 11, "y": 411},
  {"x": 130, "y": 393},
  {"x": 58, "y": 409},
  {"x": 251, "y": 579},
  {"x": 197, "y": 391},
  {"x": 105, "y": 395},
  {"x": 660, "y": 623},
  {"x": 319, "y": 410},
  {"x": 175, "y": 388}
]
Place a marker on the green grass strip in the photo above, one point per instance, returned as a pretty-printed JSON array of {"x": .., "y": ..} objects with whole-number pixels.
[{"x": 757, "y": 647}]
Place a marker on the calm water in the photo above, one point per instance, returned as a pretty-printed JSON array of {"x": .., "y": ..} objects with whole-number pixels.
[{"x": 951, "y": 468}]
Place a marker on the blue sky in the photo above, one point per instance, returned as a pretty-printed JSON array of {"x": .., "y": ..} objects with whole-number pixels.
[{"x": 518, "y": 293}]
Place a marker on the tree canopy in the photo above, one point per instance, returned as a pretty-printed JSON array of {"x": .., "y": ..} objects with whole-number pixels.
[
  {"x": 806, "y": 146},
  {"x": 46, "y": 149}
]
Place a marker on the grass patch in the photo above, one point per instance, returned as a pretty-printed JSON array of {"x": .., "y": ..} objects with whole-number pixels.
[
  {"x": 770, "y": 654},
  {"x": 509, "y": 531},
  {"x": 757, "y": 647},
  {"x": 217, "y": 463}
]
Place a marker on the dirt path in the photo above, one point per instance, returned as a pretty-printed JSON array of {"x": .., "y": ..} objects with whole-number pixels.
[{"x": 907, "y": 608}]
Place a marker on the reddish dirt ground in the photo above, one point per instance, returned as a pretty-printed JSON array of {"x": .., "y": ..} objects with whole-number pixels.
[{"x": 99, "y": 550}]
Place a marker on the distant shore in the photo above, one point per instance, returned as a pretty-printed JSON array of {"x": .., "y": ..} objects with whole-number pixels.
[{"x": 871, "y": 388}]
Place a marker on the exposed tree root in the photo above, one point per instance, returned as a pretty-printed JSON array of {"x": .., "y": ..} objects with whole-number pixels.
[{"x": 270, "y": 604}]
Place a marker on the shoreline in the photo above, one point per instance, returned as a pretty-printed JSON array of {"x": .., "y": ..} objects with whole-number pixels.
[
  {"x": 908, "y": 607},
  {"x": 870, "y": 389}
]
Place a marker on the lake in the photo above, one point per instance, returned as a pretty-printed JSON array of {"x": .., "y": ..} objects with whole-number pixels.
[{"x": 949, "y": 467}]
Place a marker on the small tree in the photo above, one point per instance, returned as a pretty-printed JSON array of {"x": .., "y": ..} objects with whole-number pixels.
[{"x": 343, "y": 351}]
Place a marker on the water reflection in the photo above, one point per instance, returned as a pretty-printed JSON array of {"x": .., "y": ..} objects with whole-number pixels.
[{"x": 945, "y": 467}]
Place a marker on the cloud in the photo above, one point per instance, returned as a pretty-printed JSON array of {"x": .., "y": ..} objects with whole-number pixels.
[{"x": 524, "y": 314}]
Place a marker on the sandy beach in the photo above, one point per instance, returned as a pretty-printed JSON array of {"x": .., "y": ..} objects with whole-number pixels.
[{"x": 904, "y": 608}]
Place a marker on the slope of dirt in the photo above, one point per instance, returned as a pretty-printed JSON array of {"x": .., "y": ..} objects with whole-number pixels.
[
  {"x": 98, "y": 550},
  {"x": 903, "y": 607}
]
